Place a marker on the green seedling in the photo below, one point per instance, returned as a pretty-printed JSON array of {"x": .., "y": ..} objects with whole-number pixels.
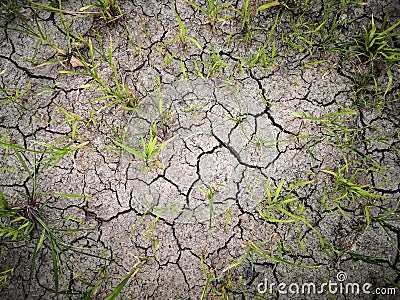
[
  {"x": 73, "y": 120},
  {"x": 367, "y": 90},
  {"x": 214, "y": 63},
  {"x": 144, "y": 28},
  {"x": 150, "y": 212},
  {"x": 137, "y": 46},
  {"x": 373, "y": 260},
  {"x": 376, "y": 43},
  {"x": 209, "y": 275},
  {"x": 273, "y": 203},
  {"x": 327, "y": 31},
  {"x": 267, "y": 144},
  {"x": 378, "y": 54},
  {"x": 120, "y": 134},
  {"x": 139, "y": 221},
  {"x": 266, "y": 56},
  {"x": 149, "y": 150},
  {"x": 120, "y": 93},
  {"x": 295, "y": 5},
  {"x": 19, "y": 221},
  {"x": 35, "y": 30},
  {"x": 256, "y": 249},
  {"x": 228, "y": 217},
  {"x": 54, "y": 7},
  {"x": 282, "y": 206},
  {"x": 335, "y": 124},
  {"x": 92, "y": 288},
  {"x": 248, "y": 12},
  {"x": 183, "y": 69},
  {"x": 164, "y": 117},
  {"x": 15, "y": 96},
  {"x": 19, "y": 226},
  {"x": 261, "y": 57},
  {"x": 147, "y": 235},
  {"x": 343, "y": 137},
  {"x": 182, "y": 35},
  {"x": 303, "y": 36},
  {"x": 348, "y": 188},
  {"x": 238, "y": 119},
  {"x": 4, "y": 276},
  {"x": 267, "y": 5},
  {"x": 245, "y": 14},
  {"x": 374, "y": 48},
  {"x": 215, "y": 11},
  {"x": 73, "y": 39},
  {"x": 335, "y": 118},
  {"x": 194, "y": 108},
  {"x": 315, "y": 34},
  {"x": 169, "y": 58},
  {"x": 209, "y": 191},
  {"x": 75, "y": 220},
  {"x": 217, "y": 285},
  {"x": 109, "y": 9},
  {"x": 256, "y": 252}
]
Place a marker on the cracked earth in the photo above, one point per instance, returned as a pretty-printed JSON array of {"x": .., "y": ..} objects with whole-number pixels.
[{"x": 236, "y": 132}]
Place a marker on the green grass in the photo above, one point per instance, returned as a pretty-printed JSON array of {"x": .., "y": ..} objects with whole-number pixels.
[
  {"x": 216, "y": 11},
  {"x": 210, "y": 193},
  {"x": 182, "y": 34},
  {"x": 109, "y": 9},
  {"x": 14, "y": 95},
  {"x": 117, "y": 290},
  {"x": 376, "y": 44},
  {"x": 252, "y": 38},
  {"x": 20, "y": 221},
  {"x": 3, "y": 277},
  {"x": 117, "y": 93},
  {"x": 149, "y": 149},
  {"x": 214, "y": 64}
]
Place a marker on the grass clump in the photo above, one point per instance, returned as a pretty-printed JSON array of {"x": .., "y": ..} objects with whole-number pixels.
[
  {"x": 377, "y": 44},
  {"x": 116, "y": 93},
  {"x": 27, "y": 222},
  {"x": 374, "y": 55},
  {"x": 216, "y": 11},
  {"x": 149, "y": 150},
  {"x": 20, "y": 222},
  {"x": 109, "y": 9}
]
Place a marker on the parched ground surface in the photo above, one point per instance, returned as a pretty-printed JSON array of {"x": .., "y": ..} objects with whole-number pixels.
[{"x": 198, "y": 214}]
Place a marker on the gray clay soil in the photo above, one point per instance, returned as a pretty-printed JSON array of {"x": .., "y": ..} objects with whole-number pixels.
[{"x": 197, "y": 215}]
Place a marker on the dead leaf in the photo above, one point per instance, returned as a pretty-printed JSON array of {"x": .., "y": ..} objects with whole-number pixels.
[{"x": 75, "y": 62}]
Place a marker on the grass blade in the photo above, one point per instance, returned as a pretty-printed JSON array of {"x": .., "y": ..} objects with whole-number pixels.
[
  {"x": 38, "y": 245},
  {"x": 130, "y": 150},
  {"x": 122, "y": 284},
  {"x": 268, "y": 5}
]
